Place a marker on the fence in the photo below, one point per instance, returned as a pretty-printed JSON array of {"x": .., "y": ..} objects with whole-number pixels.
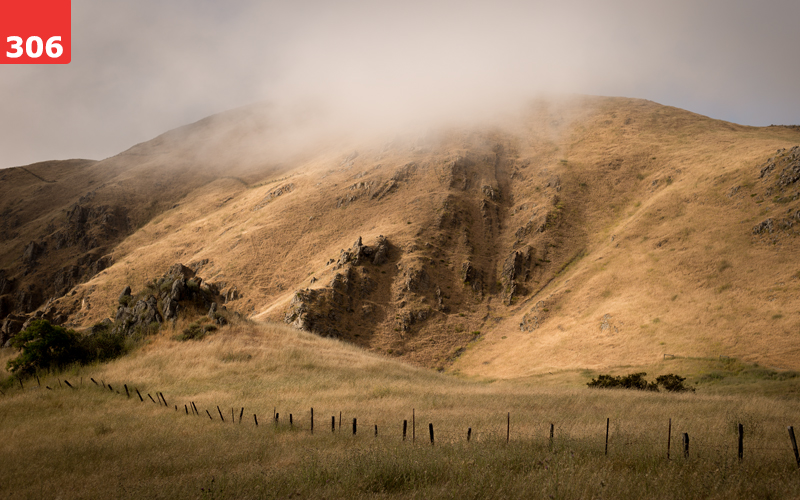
[{"x": 687, "y": 447}]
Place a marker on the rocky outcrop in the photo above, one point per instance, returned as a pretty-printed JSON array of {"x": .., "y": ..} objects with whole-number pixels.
[
  {"x": 516, "y": 269},
  {"x": 331, "y": 310},
  {"x": 178, "y": 292},
  {"x": 141, "y": 319}
]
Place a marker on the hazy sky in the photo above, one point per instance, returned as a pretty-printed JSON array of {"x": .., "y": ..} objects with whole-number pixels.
[{"x": 141, "y": 67}]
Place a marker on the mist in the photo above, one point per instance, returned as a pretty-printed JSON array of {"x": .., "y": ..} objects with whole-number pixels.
[{"x": 141, "y": 68}]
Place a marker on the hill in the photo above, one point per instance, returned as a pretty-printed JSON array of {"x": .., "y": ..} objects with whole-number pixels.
[{"x": 583, "y": 233}]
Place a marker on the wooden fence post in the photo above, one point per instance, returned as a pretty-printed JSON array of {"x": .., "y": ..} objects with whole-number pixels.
[
  {"x": 140, "y": 395},
  {"x": 93, "y": 380},
  {"x": 354, "y": 426},
  {"x": 312, "y": 420},
  {"x": 340, "y": 421},
  {"x": 220, "y": 414},
  {"x": 291, "y": 422},
  {"x": 430, "y": 429},
  {"x": 508, "y": 427},
  {"x": 255, "y": 418},
  {"x": 794, "y": 445},
  {"x": 469, "y": 434},
  {"x": 186, "y": 407},
  {"x": 128, "y": 394},
  {"x": 413, "y": 425},
  {"x": 333, "y": 423},
  {"x": 277, "y": 416},
  {"x": 405, "y": 426},
  {"x": 163, "y": 399},
  {"x": 241, "y": 414},
  {"x": 741, "y": 442},
  {"x": 233, "y": 416},
  {"x": 70, "y": 385},
  {"x": 209, "y": 415},
  {"x": 669, "y": 437},
  {"x": 686, "y": 445},
  {"x": 37, "y": 379},
  {"x": 151, "y": 398},
  {"x": 552, "y": 430},
  {"x": 608, "y": 420},
  {"x": 376, "y": 430}
]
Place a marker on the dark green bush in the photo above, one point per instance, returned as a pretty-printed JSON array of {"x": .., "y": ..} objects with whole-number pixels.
[
  {"x": 44, "y": 346},
  {"x": 47, "y": 347},
  {"x": 671, "y": 382}
]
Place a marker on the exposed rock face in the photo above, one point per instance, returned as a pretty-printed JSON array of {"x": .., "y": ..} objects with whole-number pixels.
[
  {"x": 516, "y": 269},
  {"x": 472, "y": 276},
  {"x": 9, "y": 327},
  {"x": 781, "y": 173},
  {"x": 328, "y": 311},
  {"x": 180, "y": 289},
  {"x": 141, "y": 319}
]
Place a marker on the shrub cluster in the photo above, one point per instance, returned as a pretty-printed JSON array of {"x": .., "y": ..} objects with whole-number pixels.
[
  {"x": 45, "y": 346},
  {"x": 670, "y": 382}
]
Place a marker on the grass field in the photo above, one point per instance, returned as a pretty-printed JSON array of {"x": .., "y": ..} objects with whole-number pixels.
[{"x": 91, "y": 442}]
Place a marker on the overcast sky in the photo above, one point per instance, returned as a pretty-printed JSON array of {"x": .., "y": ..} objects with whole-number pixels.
[{"x": 141, "y": 67}]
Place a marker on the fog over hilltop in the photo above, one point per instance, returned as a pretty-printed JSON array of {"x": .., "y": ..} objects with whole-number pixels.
[{"x": 140, "y": 68}]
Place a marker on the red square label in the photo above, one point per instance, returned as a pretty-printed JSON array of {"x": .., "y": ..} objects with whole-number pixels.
[{"x": 35, "y": 31}]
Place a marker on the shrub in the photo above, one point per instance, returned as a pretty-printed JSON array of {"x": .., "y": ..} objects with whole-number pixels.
[
  {"x": 673, "y": 383},
  {"x": 670, "y": 382},
  {"x": 44, "y": 346}
]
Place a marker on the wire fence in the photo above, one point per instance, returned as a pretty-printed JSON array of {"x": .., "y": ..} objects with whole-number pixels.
[{"x": 610, "y": 437}]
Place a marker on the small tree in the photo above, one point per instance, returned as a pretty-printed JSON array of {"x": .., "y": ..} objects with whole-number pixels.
[{"x": 44, "y": 346}]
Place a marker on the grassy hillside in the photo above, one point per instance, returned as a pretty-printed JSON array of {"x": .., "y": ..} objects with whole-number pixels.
[
  {"x": 91, "y": 442},
  {"x": 583, "y": 233}
]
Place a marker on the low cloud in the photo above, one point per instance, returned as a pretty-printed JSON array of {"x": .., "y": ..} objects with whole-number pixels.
[{"x": 141, "y": 68}]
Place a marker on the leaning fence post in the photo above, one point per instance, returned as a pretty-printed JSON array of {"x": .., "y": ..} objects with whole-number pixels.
[
  {"x": 209, "y": 415},
  {"x": 607, "y": 422},
  {"x": 220, "y": 414},
  {"x": 186, "y": 407},
  {"x": 128, "y": 394},
  {"x": 430, "y": 429},
  {"x": 686, "y": 444},
  {"x": 163, "y": 399},
  {"x": 669, "y": 437},
  {"x": 241, "y": 413},
  {"x": 256, "y": 419},
  {"x": 794, "y": 445},
  {"x": 151, "y": 398},
  {"x": 741, "y": 442},
  {"x": 137, "y": 392}
]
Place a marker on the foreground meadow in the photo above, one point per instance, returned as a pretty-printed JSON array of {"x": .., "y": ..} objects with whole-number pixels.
[{"x": 91, "y": 441}]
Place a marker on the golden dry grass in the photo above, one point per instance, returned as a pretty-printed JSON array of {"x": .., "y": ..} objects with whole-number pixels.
[{"x": 91, "y": 442}]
